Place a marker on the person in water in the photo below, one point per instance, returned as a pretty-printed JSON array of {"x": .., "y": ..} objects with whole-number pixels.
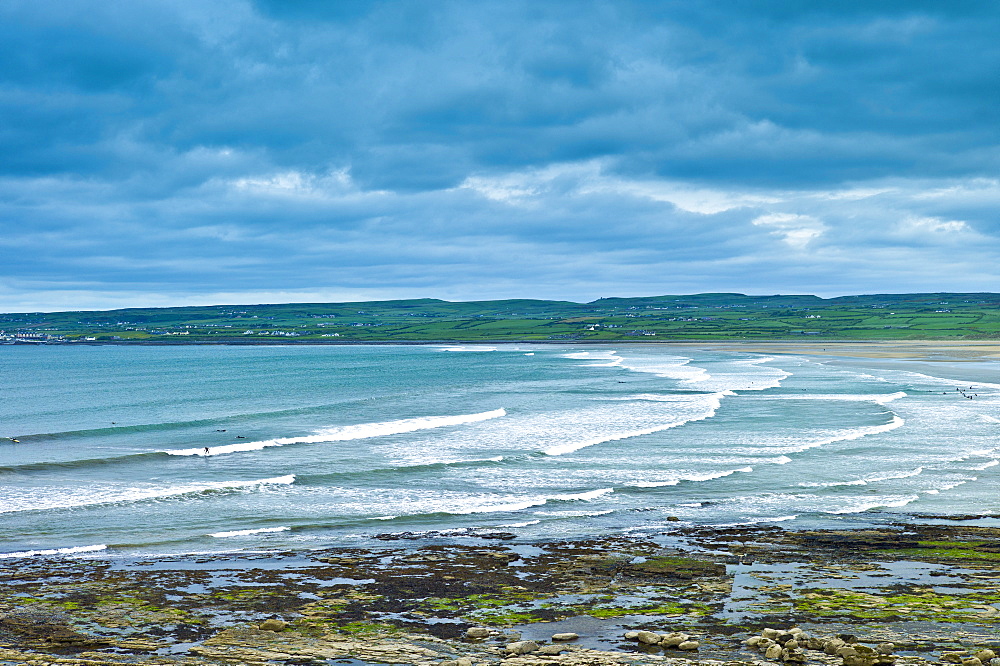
[{"x": 206, "y": 450}]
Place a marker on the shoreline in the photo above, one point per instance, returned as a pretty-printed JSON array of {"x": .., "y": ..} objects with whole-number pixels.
[{"x": 927, "y": 588}]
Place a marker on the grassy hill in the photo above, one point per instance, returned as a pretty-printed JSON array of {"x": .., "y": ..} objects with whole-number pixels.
[{"x": 678, "y": 317}]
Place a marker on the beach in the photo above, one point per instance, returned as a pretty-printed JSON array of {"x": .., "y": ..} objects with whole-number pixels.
[{"x": 703, "y": 491}]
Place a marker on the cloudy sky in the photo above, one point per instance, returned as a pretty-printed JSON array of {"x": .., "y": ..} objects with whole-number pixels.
[{"x": 174, "y": 152}]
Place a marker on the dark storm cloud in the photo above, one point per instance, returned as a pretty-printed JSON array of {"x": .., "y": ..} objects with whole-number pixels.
[{"x": 494, "y": 149}]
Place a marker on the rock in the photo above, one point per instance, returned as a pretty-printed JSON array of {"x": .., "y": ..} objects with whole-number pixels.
[
  {"x": 972, "y": 661},
  {"x": 673, "y": 639},
  {"x": 567, "y": 636},
  {"x": 792, "y": 645},
  {"x": 753, "y": 641},
  {"x": 784, "y": 637},
  {"x": 273, "y": 625},
  {"x": 551, "y": 650},
  {"x": 673, "y": 519},
  {"x": 985, "y": 655},
  {"x": 448, "y": 662},
  {"x": 793, "y": 656},
  {"x": 953, "y": 657},
  {"x": 885, "y": 648},
  {"x": 995, "y": 661},
  {"x": 832, "y": 645},
  {"x": 796, "y": 631},
  {"x": 522, "y": 647},
  {"x": 848, "y": 638},
  {"x": 846, "y": 651},
  {"x": 770, "y": 633},
  {"x": 463, "y": 661},
  {"x": 648, "y": 637},
  {"x": 688, "y": 645},
  {"x": 815, "y": 643},
  {"x": 765, "y": 643},
  {"x": 864, "y": 650},
  {"x": 773, "y": 652},
  {"x": 478, "y": 632},
  {"x": 631, "y": 635}
]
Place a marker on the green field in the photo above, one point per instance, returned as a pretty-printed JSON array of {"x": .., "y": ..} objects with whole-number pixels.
[{"x": 942, "y": 316}]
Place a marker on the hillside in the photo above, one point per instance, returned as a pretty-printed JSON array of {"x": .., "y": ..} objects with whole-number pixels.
[{"x": 719, "y": 316}]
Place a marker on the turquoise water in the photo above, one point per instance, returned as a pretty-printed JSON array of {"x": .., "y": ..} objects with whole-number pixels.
[{"x": 313, "y": 446}]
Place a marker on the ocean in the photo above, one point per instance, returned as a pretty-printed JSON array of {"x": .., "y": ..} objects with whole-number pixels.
[{"x": 319, "y": 446}]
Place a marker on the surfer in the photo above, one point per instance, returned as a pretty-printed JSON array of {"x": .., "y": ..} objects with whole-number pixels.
[{"x": 206, "y": 450}]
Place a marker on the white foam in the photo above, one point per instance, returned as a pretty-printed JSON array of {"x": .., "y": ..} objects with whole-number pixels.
[
  {"x": 348, "y": 433},
  {"x": 55, "y": 551},
  {"x": 876, "y": 504},
  {"x": 530, "y": 502},
  {"x": 527, "y": 523},
  {"x": 877, "y": 398},
  {"x": 713, "y": 403},
  {"x": 837, "y": 436},
  {"x": 980, "y": 468},
  {"x": 239, "y": 533},
  {"x": 41, "y": 499},
  {"x": 864, "y": 481},
  {"x": 468, "y": 349},
  {"x": 708, "y": 476}
]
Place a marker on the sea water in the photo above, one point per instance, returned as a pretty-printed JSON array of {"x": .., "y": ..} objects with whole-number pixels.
[{"x": 193, "y": 449}]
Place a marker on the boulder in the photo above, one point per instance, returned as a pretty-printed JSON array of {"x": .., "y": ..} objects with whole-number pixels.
[
  {"x": 478, "y": 632},
  {"x": 954, "y": 657},
  {"x": 551, "y": 650},
  {"x": 985, "y": 655},
  {"x": 848, "y": 638},
  {"x": 832, "y": 645},
  {"x": 770, "y": 633},
  {"x": 521, "y": 647},
  {"x": 648, "y": 637},
  {"x": 463, "y": 661},
  {"x": 753, "y": 641},
  {"x": 885, "y": 648},
  {"x": 792, "y": 656},
  {"x": 631, "y": 635},
  {"x": 815, "y": 643},
  {"x": 688, "y": 645},
  {"x": 971, "y": 661},
  {"x": 566, "y": 636},
  {"x": 273, "y": 625},
  {"x": 792, "y": 644},
  {"x": 673, "y": 639},
  {"x": 773, "y": 652}
]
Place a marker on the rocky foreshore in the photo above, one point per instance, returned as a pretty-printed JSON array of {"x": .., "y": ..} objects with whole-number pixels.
[{"x": 898, "y": 596}]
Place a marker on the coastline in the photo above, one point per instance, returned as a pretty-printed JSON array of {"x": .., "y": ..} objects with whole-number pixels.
[{"x": 928, "y": 589}]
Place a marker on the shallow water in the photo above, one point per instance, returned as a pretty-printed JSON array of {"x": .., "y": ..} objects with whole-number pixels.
[{"x": 312, "y": 446}]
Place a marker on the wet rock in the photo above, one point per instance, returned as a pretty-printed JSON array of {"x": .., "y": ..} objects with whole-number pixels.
[
  {"x": 773, "y": 652},
  {"x": 954, "y": 657},
  {"x": 792, "y": 644},
  {"x": 770, "y": 633},
  {"x": 985, "y": 655},
  {"x": 885, "y": 648},
  {"x": 784, "y": 637},
  {"x": 522, "y": 647},
  {"x": 972, "y": 661},
  {"x": 793, "y": 656},
  {"x": 551, "y": 650},
  {"x": 753, "y": 641},
  {"x": 848, "y": 638},
  {"x": 674, "y": 639},
  {"x": 273, "y": 625},
  {"x": 567, "y": 636},
  {"x": 815, "y": 643},
  {"x": 832, "y": 645},
  {"x": 648, "y": 637},
  {"x": 631, "y": 635},
  {"x": 478, "y": 632},
  {"x": 995, "y": 661},
  {"x": 846, "y": 651},
  {"x": 688, "y": 646}
]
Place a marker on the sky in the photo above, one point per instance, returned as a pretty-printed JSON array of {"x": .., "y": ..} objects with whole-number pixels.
[{"x": 176, "y": 152}]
